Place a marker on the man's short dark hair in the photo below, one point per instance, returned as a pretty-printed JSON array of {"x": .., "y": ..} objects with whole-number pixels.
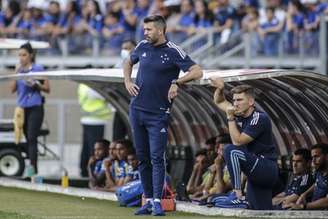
[
  {"x": 305, "y": 153},
  {"x": 201, "y": 152},
  {"x": 223, "y": 138},
  {"x": 247, "y": 89},
  {"x": 158, "y": 20},
  {"x": 210, "y": 141},
  {"x": 322, "y": 146},
  {"x": 104, "y": 143},
  {"x": 126, "y": 143}
]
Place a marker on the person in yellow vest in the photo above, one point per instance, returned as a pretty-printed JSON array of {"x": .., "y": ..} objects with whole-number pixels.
[{"x": 95, "y": 114}]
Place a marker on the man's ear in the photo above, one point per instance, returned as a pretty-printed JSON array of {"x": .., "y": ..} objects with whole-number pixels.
[{"x": 251, "y": 101}]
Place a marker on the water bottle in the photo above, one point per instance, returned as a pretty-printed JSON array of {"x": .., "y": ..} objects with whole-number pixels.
[{"x": 64, "y": 179}]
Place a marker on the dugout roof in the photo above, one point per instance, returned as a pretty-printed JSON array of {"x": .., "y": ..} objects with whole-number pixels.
[{"x": 296, "y": 101}]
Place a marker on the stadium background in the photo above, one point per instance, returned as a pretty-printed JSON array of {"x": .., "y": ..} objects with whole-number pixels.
[{"x": 82, "y": 49}]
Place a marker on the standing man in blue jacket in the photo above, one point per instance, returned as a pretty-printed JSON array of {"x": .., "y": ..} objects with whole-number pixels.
[{"x": 156, "y": 85}]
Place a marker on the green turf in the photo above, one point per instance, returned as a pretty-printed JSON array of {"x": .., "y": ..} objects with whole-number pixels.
[
  {"x": 16, "y": 203},
  {"x": 8, "y": 215}
]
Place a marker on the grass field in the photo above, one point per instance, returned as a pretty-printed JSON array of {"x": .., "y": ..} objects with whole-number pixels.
[{"x": 25, "y": 204}]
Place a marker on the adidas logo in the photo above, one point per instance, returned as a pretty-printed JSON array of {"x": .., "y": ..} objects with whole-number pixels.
[
  {"x": 163, "y": 130},
  {"x": 144, "y": 54}
]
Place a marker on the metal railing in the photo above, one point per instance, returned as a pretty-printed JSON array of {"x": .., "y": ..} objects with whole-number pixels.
[{"x": 238, "y": 53}]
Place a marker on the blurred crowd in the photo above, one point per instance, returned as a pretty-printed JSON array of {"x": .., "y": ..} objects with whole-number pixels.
[{"x": 111, "y": 22}]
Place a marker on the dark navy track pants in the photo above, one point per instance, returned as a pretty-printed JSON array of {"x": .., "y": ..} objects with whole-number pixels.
[
  {"x": 262, "y": 174},
  {"x": 150, "y": 132}
]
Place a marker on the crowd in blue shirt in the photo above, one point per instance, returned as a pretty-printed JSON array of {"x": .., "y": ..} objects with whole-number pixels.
[{"x": 295, "y": 22}]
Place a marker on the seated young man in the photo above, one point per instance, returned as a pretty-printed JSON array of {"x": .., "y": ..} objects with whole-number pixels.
[
  {"x": 116, "y": 171},
  {"x": 133, "y": 172},
  {"x": 219, "y": 179},
  {"x": 319, "y": 190},
  {"x": 301, "y": 181},
  {"x": 96, "y": 167},
  {"x": 199, "y": 170}
]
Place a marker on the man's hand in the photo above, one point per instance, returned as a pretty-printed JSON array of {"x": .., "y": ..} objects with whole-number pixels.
[
  {"x": 285, "y": 205},
  {"x": 301, "y": 199},
  {"x": 107, "y": 164},
  {"x": 230, "y": 112},
  {"x": 218, "y": 161},
  {"x": 217, "y": 82},
  {"x": 196, "y": 166},
  {"x": 297, "y": 207},
  {"x": 92, "y": 160},
  {"x": 173, "y": 92},
  {"x": 132, "y": 88}
]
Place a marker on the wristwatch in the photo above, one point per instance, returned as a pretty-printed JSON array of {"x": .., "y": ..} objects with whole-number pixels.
[{"x": 175, "y": 81}]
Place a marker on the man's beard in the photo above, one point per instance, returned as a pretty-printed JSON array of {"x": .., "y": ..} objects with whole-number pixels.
[{"x": 151, "y": 40}]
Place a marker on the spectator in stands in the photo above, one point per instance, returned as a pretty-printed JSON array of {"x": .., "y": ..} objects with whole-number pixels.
[
  {"x": 90, "y": 26},
  {"x": 158, "y": 7},
  {"x": 113, "y": 33},
  {"x": 252, "y": 3},
  {"x": 129, "y": 18},
  {"x": 179, "y": 24},
  {"x": 279, "y": 12},
  {"x": 38, "y": 31},
  {"x": 322, "y": 7},
  {"x": 142, "y": 10},
  {"x": 94, "y": 18},
  {"x": 7, "y": 18},
  {"x": 301, "y": 181},
  {"x": 311, "y": 26},
  {"x": 53, "y": 17},
  {"x": 71, "y": 19},
  {"x": 24, "y": 24},
  {"x": 198, "y": 173},
  {"x": 294, "y": 25},
  {"x": 96, "y": 168},
  {"x": 250, "y": 24},
  {"x": 224, "y": 15},
  {"x": 319, "y": 190},
  {"x": 30, "y": 99},
  {"x": 270, "y": 33},
  {"x": 203, "y": 17},
  {"x": 253, "y": 151}
]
